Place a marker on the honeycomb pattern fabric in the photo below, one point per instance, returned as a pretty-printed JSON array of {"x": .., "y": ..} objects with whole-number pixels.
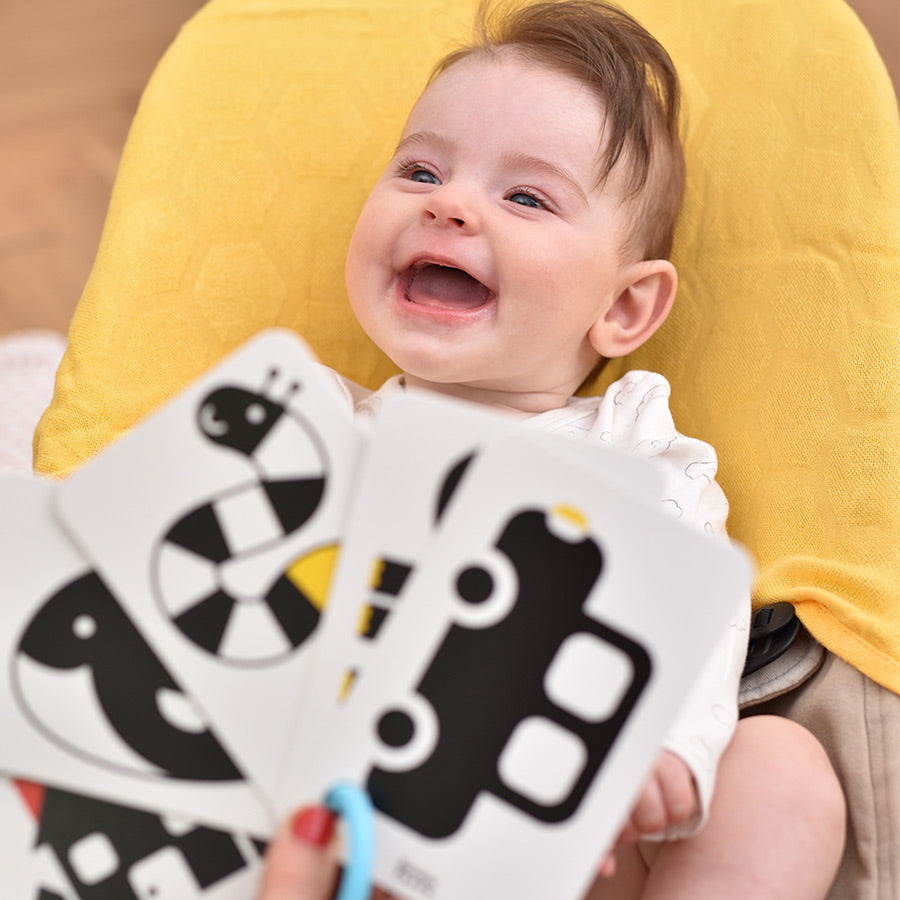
[{"x": 267, "y": 121}]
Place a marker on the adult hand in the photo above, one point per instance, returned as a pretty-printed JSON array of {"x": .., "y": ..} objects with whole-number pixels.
[{"x": 300, "y": 863}]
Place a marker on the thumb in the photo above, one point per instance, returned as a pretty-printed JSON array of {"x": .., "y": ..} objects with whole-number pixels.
[{"x": 299, "y": 864}]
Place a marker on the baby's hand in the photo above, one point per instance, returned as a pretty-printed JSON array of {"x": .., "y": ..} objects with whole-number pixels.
[{"x": 668, "y": 798}]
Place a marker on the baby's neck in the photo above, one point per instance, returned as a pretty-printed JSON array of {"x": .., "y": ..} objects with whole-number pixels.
[{"x": 519, "y": 404}]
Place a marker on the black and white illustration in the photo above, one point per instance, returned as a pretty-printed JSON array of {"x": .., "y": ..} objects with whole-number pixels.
[
  {"x": 28, "y": 869},
  {"x": 63, "y": 845},
  {"x": 85, "y": 701},
  {"x": 208, "y": 569},
  {"x": 111, "y": 852},
  {"x": 499, "y": 674},
  {"x": 133, "y": 716},
  {"x": 217, "y": 521}
]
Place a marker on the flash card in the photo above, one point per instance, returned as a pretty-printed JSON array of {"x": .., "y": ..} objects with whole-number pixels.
[
  {"x": 417, "y": 457},
  {"x": 217, "y": 522},
  {"x": 111, "y": 852},
  {"x": 26, "y": 867},
  {"x": 85, "y": 702},
  {"x": 536, "y": 664}
]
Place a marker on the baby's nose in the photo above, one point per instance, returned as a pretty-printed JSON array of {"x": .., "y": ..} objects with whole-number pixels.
[{"x": 451, "y": 207}]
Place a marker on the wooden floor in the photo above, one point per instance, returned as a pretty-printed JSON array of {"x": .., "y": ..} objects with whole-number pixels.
[{"x": 71, "y": 73}]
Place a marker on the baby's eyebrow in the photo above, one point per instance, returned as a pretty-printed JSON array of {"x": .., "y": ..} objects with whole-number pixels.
[
  {"x": 431, "y": 138},
  {"x": 524, "y": 161}
]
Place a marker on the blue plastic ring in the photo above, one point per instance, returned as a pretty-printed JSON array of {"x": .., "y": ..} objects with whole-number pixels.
[{"x": 353, "y": 805}]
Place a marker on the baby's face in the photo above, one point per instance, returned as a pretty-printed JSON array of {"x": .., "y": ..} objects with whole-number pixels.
[{"x": 486, "y": 252}]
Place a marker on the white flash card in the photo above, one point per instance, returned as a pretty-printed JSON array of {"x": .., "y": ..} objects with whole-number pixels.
[
  {"x": 27, "y": 865},
  {"x": 85, "y": 702},
  {"x": 217, "y": 521},
  {"x": 107, "y": 850},
  {"x": 416, "y": 459},
  {"x": 101, "y": 850},
  {"x": 527, "y": 681}
]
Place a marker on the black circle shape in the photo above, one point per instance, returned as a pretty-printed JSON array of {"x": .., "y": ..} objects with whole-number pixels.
[
  {"x": 475, "y": 584},
  {"x": 396, "y": 728}
]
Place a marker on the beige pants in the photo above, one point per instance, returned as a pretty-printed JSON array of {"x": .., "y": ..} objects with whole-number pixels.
[{"x": 858, "y": 723}]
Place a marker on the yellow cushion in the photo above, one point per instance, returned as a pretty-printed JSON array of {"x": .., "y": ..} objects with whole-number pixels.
[{"x": 267, "y": 121}]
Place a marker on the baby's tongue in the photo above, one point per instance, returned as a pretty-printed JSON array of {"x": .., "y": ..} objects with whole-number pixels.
[{"x": 443, "y": 287}]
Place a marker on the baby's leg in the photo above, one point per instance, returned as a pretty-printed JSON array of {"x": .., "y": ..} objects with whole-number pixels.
[{"x": 775, "y": 830}]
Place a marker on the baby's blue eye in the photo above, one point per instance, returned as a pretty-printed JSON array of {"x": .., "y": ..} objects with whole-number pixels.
[
  {"x": 524, "y": 199},
  {"x": 423, "y": 176}
]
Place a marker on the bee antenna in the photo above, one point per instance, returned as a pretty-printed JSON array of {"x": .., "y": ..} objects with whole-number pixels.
[{"x": 271, "y": 377}]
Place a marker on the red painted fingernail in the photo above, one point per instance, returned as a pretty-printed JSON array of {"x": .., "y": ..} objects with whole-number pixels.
[{"x": 314, "y": 825}]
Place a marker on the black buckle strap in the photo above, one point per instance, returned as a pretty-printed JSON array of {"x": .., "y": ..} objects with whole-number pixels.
[{"x": 773, "y": 629}]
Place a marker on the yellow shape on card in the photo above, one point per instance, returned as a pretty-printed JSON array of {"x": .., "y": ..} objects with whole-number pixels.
[{"x": 311, "y": 574}]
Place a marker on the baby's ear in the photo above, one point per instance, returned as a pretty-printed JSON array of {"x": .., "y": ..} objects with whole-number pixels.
[{"x": 637, "y": 310}]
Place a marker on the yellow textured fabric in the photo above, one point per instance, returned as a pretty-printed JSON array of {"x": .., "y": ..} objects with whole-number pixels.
[{"x": 266, "y": 122}]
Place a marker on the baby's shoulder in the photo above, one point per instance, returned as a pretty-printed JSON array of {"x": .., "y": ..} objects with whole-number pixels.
[
  {"x": 630, "y": 396},
  {"x": 636, "y": 388},
  {"x": 633, "y": 413}
]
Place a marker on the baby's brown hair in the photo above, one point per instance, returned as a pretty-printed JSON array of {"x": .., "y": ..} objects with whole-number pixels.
[{"x": 634, "y": 77}]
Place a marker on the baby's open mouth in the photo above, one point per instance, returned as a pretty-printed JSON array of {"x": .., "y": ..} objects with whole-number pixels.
[{"x": 444, "y": 287}]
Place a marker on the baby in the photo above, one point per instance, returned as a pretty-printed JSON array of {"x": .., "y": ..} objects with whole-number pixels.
[
  {"x": 518, "y": 238},
  {"x": 519, "y": 234}
]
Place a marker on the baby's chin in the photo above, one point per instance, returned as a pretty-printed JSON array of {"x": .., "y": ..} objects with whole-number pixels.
[
  {"x": 428, "y": 359},
  {"x": 500, "y": 396}
]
